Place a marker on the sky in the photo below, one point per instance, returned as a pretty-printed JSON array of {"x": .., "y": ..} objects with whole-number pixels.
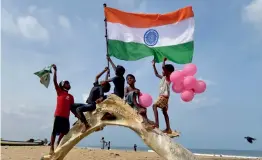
[{"x": 70, "y": 34}]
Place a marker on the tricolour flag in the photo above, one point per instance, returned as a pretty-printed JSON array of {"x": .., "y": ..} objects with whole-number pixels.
[{"x": 133, "y": 36}]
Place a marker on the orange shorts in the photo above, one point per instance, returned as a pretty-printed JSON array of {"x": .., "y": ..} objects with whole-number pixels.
[{"x": 161, "y": 102}]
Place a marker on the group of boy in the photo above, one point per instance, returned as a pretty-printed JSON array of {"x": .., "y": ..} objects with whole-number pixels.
[{"x": 65, "y": 101}]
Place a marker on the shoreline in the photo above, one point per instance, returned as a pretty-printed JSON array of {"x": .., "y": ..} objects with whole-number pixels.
[
  {"x": 83, "y": 153},
  {"x": 226, "y": 156},
  {"x": 195, "y": 153}
]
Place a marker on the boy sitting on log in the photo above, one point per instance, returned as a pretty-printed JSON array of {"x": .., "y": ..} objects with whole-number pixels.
[
  {"x": 131, "y": 95},
  {"x": 96, "y": 96}
]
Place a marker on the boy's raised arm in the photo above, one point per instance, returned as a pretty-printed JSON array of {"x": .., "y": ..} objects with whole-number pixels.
[
  {"x": 55, "y": 77},
  {"x": 155, "y": 70},
  {"x": 107, "y": 74},
  {"x": 164, "y": 63},
  {"x": 110, "y": 79},
  {"x": 107, "y": 77},
  {"x": 111, "y": 62},
  {"x": 100, "y": 74}
]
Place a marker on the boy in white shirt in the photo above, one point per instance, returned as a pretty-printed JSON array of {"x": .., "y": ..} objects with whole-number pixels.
[{"x": 164, "y": 93}]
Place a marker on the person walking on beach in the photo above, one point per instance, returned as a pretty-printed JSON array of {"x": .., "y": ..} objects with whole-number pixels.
[
  {"x": 108, "y": 145},
  {"x": 164, "y": 93},
  {"x": 103, "y": 142},
  {"x": 61, "y": 124},
  {"x": 135, "y": 146}
]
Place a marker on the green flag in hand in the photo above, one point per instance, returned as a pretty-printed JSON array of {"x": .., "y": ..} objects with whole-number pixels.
[{"x": 44, "y": 75}]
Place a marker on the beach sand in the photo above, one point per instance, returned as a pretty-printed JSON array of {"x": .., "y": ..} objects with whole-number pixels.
[{"x": 35, "y": 153}]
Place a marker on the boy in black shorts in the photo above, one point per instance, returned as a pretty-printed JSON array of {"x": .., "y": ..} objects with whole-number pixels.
[
  {"x": 96, "y": 96},
  {"x": 61, "y": 124}
]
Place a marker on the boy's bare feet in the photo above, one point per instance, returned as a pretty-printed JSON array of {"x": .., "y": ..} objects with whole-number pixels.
[
  {"x": 151, "y": 122},
  {"x": 171, "y": 133},
  {"x": 51, "y": 151},
  {"x": 85, "y": 127},
  {"x": 167, "y": 131},
  {"x": 156, "y": 125},
  {"x": 148, "y": 125}
]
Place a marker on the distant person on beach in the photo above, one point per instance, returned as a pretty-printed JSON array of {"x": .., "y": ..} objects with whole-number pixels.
[
  {"x": 164, "y": 93},
  {"x": 61, "y": 124},
  {"x": 96, "y": 96},
  {"x": 135, "y": 146},
  {"x": 108, "y": 145},
  {"x": 103, "y": 142},
  {"x": 131, "y": 95},
  {"x": 118, "y": 80}
]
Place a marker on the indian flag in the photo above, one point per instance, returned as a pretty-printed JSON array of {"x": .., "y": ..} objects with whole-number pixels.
[{"x": 133, "y": 36}]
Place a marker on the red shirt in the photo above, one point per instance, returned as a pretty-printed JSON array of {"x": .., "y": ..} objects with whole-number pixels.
[{"x": 64, "y": 102}]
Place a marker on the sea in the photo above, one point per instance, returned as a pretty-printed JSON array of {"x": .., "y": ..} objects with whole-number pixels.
[{"x": 216, "y": 152}]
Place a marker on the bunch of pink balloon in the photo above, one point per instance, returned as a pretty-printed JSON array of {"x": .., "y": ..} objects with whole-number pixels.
[
  {"x": 186, "y": 84},
  {"x": 145, "y": 100}
]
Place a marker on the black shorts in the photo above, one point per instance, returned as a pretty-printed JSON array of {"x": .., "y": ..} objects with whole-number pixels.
[{"x": 61, "y": 125}]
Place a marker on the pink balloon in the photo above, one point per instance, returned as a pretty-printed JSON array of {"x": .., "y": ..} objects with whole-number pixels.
[
  {"x": 184, "y": 74},
  {"x": 187, "y": 95},
  {"x": 177, "y": 87},
  {"x": 145, "y": 100},
  {"x": 200, "y": 86},
  {"x": 190, "y": 69},
  {"x": 177, "y": 77},
  {"x": 189, "y": 82}
]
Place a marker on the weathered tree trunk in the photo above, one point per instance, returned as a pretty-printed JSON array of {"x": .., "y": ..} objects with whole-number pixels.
[{"x": 125, "y": 116}]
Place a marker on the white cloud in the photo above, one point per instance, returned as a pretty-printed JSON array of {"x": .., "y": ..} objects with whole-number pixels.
[
  {"x": 27, "y": 26},
  {"x": 64, "y": 22},
  {"x": 252, "y": 13},
  {"x": 8, "y": 22},
  {"x": 30, "y": 28}
]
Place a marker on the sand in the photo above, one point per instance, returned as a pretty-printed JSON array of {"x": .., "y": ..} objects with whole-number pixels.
[{"x": 34, "y": 153}]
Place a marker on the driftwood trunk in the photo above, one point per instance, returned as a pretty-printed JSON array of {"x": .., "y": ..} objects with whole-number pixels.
[{"x": 123, "y": 115}]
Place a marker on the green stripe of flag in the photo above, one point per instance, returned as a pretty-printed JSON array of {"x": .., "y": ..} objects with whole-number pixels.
[{"x": 131, "y": 51}]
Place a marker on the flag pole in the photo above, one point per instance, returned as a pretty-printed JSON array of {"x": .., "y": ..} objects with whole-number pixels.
[{"x": 106, "y": 38}]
